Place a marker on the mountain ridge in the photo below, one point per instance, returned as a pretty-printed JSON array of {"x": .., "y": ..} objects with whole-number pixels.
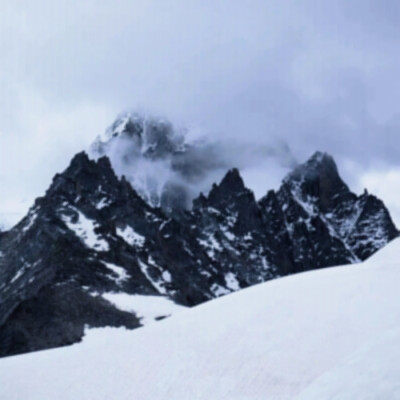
[{"x": 91, "y": 234}]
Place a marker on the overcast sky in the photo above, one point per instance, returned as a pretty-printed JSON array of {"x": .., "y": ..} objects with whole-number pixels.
[{"x": 321, "y": 75}]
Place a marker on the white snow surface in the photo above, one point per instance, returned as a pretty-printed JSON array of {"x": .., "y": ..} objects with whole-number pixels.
[
  {"x": 84, "y": 228},
  {"x": 131, "y": 237},
  {"x": 147, "y": 308},
  {"x": 321, "y": 335},
  {"x": 119, "y": 274},
  {"x": 158, "y": 285}
]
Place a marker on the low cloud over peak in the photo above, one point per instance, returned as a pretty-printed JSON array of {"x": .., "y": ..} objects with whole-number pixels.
[{"x": 159, "y": 158}]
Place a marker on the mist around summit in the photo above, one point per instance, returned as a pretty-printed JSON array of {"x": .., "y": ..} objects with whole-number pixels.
[{"x": 169, "y": 166}]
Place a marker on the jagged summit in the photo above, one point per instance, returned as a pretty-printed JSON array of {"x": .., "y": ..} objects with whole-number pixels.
[
  {"x": 232, "y": 181},
  {"x": 92, "y": 238},
  {"x": 82, "y": 168},
  {"x": 231, "y": 187},
  {"x": 155, "y": 158},
  {"x": 318, "y": 178},
  {"x": 320, "y": 168},
  {"x": 150, "y": 136}
]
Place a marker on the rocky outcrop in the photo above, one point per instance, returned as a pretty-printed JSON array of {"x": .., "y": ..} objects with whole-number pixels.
[{"x": 92, "y": 234}]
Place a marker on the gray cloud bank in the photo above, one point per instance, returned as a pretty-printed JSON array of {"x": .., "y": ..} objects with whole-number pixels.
[
  {"x": 316, "y": 74},
  {"x": 169, "y": 167}
]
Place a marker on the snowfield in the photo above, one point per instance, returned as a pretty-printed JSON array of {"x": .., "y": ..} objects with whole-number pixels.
[{"x": 328, "y": 334}]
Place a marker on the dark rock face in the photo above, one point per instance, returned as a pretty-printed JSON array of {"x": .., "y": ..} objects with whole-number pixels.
[{"x": 92, "y": 234}]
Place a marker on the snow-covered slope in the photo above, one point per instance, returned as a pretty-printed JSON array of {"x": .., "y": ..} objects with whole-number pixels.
[{"x": 327, "y": 334}]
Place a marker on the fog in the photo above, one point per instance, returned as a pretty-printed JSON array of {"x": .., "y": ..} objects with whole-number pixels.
[{"x": 169, "y": 166}]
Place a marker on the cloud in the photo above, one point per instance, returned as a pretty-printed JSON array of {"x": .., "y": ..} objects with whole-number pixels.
[
  {"x": 316, "y": 74},
  {"x": 39, "y": 142},
  {"x": 169, "y": 166}
]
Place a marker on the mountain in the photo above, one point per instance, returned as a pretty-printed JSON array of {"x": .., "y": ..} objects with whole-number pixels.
[
  {"x": 92, "y": 250},
  {"x": 155, "y": 157},
  {"x": 169, "y": 166},
  {"x": 327, "y": 334}
]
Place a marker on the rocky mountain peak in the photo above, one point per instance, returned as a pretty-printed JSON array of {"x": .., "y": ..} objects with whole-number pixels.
[
  {"x": 84, "y": 177},
  {"x": 153, "y": 156},
  {"x": 231, "y": 187},
  {"x": 232, "y": 181},
  {"x": 127, "y": 124},
  {"x": 318, "y": 178},
  {"x": 82, "y": 167},
  {"x": 319, "y": 166},
  {"x": 149, "y": 136},
  {"x": 92, "y": 238}
]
